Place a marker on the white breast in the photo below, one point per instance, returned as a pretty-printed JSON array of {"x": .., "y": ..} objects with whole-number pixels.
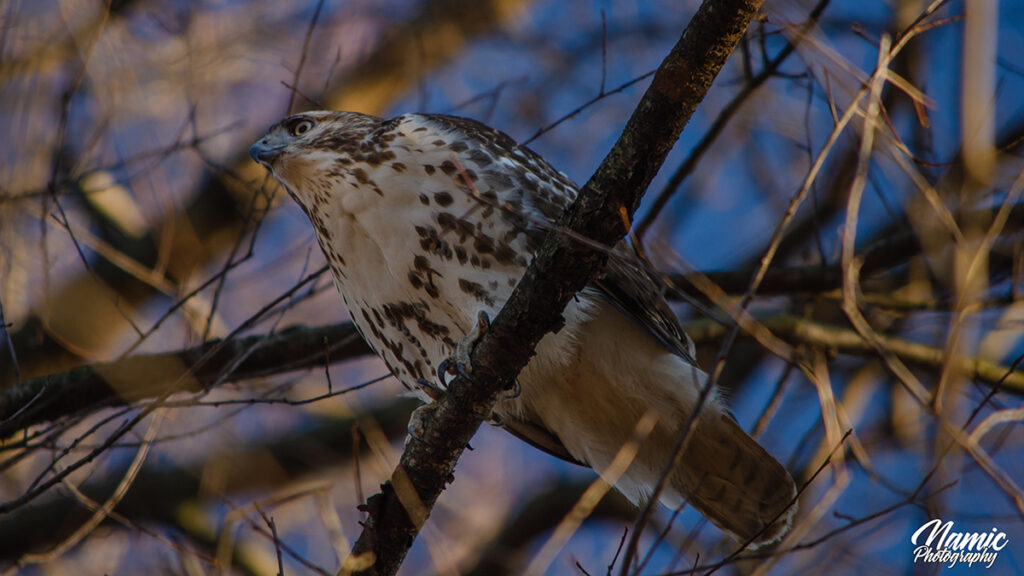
[{"x": 413, "y": 286}]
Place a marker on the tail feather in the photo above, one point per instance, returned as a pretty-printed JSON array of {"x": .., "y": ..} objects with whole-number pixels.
[
  {"x": 727, "y": 476},
  {"x": 585, "y": 391}
]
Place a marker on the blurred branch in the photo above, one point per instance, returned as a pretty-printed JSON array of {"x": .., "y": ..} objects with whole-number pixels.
[
  {"x": 191, "y": 370},
  {"x": 889, "y": 251},
  {"x": 100, "y": 512},
  {"x": 432, "y": 38},
  {"x": 845, "y": 340},
  {"x": 560, "y": 269},
  {"x": 807, "y": 225},
  {"x": 50, "y": 55},
  {"x": 506, "y": 552},
  {"x": 164, "y": 494}
]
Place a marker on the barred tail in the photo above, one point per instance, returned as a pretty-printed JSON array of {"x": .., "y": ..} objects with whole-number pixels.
[{"x": 727, "y": 476}]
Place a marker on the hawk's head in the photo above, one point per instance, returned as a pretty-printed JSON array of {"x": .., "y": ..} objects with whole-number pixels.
[{"x": 306, "y": 148}]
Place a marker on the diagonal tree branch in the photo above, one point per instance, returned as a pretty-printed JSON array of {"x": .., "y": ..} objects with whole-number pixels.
[{"x": 561, "y": 268}]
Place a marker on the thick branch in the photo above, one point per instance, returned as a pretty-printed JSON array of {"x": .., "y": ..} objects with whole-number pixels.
[
  {"x": 87, "y": 388},
  {"x": 561, "y": 268},
  {"x": 152, "y": 375}
]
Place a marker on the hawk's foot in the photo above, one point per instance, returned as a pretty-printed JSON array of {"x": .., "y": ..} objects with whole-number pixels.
[
  {"x": 417, "y": 423},
  {"x": 458, "y": 364}
]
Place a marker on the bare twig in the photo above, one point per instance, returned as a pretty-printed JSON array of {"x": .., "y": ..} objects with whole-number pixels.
[
  {"x": 721, "y": 121},
  {"x": 101, "y": 512}
]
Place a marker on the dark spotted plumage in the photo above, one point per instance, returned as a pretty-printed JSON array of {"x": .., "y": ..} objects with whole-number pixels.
[{"x": 425, "y": 220}]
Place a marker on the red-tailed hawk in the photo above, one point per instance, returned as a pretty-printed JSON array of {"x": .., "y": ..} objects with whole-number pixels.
[{"x": 415, "y": 256}]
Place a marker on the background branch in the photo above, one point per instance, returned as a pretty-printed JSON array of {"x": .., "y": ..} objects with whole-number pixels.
[{"x": 148, "y": 376}]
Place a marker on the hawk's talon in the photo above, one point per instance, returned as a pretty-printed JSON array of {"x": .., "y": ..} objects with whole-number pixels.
[
  {"x": 442, "y": 370},
  {"x": 463, "y": 369},
  {"x": 414, "y": 430},
  {"x": 412, "y": 434},
  {"x": 432, "y": 390},
  {"x": 458, "y": 364}
]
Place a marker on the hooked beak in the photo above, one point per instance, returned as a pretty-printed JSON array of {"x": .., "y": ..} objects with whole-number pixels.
[{"x": 264, "y": 152}]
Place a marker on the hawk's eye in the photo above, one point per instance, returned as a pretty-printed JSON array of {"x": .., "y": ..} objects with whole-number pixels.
[{"x": 300, "y": 126}]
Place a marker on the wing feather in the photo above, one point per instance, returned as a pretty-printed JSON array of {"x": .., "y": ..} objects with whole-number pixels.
[
  {"x": 629, "y": 287},
  {"x": 626, "y": 285}
]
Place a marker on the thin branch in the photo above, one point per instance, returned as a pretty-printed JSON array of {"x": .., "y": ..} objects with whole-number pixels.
[
  {"x": 722, "y": 120},
  {"x": 304, "y": 53},
  {"x": 575, "y": 111},
  {"x": 60, "y": 395},
  {"x": 48, "y": 521},
  {"x": 102, "y": 512},
  {"x": 845, "y": 340}
]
